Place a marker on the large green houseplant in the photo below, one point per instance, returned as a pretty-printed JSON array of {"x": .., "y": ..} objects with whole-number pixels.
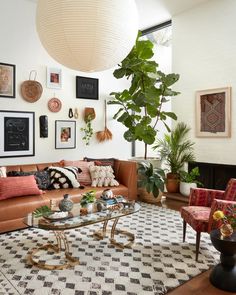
[
  {"x": 140, "y": 105},
  {"x": 176, "y": 150}
]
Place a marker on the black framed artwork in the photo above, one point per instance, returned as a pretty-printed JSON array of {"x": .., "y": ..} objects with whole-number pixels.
[
  {"x": 86, "y": 87},
  {"x": 7, "y": 80},
  {"x": 17, "y": 133}
]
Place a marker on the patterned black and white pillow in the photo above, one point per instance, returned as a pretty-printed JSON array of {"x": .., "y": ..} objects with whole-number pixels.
[{"x": 65, "y": 177}]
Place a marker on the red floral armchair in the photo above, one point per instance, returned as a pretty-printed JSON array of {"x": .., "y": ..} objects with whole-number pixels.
[{"x": 202, "y": 204}]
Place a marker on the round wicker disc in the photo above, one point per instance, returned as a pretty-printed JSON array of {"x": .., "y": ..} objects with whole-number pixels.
[
  {"x": 54, "y": 105},
  {"x": 31, "y": 91}
]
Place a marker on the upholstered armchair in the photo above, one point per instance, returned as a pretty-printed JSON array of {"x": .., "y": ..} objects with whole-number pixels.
[{"x": 202, "y": 204}]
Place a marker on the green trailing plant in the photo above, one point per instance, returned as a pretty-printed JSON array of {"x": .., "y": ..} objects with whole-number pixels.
[
  {"x": 175, "y": 148},
  {"x": 140, "y": 106},
  {"x": 151, "y": 179},
  {"x": 41, "y": 211},
  {"x": 87, "y": 198},
  {"x": 190, "y": 177},
  {"x": 88, "y": 130}
]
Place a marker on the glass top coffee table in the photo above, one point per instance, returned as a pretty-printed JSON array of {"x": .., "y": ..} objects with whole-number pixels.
[{"x": 75, "y": 220}]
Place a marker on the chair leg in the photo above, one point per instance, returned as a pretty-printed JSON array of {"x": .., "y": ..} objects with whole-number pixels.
[
  {"x": 198, "y": 236},
  {"x": 184, "y": 230}
]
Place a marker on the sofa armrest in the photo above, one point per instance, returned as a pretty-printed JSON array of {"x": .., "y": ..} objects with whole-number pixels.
[
  {"x": 126, "y": 174},
  {"x": 204, "y": 196},
  {"x": 222, "y": 205}
]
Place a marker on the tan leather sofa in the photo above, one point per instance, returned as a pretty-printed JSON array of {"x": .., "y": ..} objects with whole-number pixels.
[{"x": 13, "y": 211}]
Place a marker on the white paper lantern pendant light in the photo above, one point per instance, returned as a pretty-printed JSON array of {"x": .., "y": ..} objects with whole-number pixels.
[{"x": 87, "y": 35}]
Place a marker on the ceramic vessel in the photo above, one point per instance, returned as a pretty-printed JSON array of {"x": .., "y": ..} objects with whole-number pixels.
[
  {"x": 185, "y": 187},
  {"x": 66, "y": 204}
]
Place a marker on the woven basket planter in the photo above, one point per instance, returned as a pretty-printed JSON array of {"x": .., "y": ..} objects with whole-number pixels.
[{"x": 146, "y": 197}]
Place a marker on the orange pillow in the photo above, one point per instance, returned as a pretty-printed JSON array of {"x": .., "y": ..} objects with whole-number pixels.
[
  {"x": 83, "y": 177},
  {"x": 11, "y": 187}
]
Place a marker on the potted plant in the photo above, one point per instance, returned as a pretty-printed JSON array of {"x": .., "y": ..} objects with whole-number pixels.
[
  {"x": 150, "y": 182},
  {"x": 88, "y": 199},
  {"x": 140, "y": 105},
  {"x": 176, "y": 150},
  {"x": 189, "y": 180},
  {"x": 89, "y": 116}
]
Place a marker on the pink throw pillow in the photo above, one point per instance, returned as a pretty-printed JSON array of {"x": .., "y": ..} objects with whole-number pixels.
[
  {"x": 11, "y": 187},
  {"x": 84, "y": 177}
]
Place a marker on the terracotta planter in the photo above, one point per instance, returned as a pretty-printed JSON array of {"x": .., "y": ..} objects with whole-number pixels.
[{"x": 172, "y": 183}]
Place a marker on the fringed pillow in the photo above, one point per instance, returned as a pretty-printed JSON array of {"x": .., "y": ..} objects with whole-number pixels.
[
  {"x": 102, "y": 176},
  {"x": 63, "y": 177}
]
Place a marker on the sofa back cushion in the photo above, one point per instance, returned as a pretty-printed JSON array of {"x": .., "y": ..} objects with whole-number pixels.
[
  {"x": 11, "y": 187},
  {"x": 84, "y": 177}
]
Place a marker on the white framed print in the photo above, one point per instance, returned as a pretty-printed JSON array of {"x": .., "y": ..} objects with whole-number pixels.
[
  {"x": 54, "y": 78},
  {"x": 65, "y": 135}
]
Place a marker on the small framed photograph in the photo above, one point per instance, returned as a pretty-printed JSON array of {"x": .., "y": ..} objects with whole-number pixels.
[
  {"x": 86, "y": 87},
  {"x": 54, "y": 78},
  {"x": 7, "y": 80},
  {"x": 65, "y": 134},
  {"x": 17, "y": 133},
  {"x": 213, "y": 112}
]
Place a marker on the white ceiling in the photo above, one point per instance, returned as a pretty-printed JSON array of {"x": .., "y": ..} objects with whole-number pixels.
[{"x": 154, "y": 12}]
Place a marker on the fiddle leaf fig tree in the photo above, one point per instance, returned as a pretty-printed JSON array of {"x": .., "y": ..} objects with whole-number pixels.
[{"x": 140, "y": 106}]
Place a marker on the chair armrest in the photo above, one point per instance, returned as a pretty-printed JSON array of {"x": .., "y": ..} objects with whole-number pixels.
[
  {"x": 126, "y": 174},
  {"x": 218, "y": 205},
  {"x": 204, "y": 196}
]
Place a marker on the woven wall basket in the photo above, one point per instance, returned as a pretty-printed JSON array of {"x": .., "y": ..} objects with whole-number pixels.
[{"x": 31, "y": 90}]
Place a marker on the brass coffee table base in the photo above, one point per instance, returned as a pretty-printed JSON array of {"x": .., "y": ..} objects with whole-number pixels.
[
  {"x": 102, "y": 233},
  {"x": 62, "y": 245}
]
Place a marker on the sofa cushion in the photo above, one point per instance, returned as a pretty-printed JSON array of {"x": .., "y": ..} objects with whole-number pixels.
[
  {"x": 84, "y": 177},
  {"x": 63, "y": 177},
  {"x": 42, "y": 177},
  {"x": 3, "y": 172},
  {"x": 102, "y": 161},
  {"x": 18, "y": 186},
  {"x": 102, "y": 176}
]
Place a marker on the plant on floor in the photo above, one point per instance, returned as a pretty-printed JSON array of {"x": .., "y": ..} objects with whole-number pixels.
[
  {"x": 190, "y": 177},
  {"x": 140, "y": 106},
  {"x": 152, "y": 179},
  {"x": 87, "y": 198},
  {"x": 176, "y": 150}
]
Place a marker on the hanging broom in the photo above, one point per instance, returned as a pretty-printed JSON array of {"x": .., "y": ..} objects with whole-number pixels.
[{"x": 106, "y": 133}]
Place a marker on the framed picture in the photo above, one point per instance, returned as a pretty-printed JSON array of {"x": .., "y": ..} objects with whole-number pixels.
[
  {"x": 65, "y": 134},
  {"x": 54, "y": 78},
  {"x": 86, "y": 87},
  {"x": 213, "y": 112},
  {"x": 17, "y": 133},
  {"x": 7, "y": 80}
]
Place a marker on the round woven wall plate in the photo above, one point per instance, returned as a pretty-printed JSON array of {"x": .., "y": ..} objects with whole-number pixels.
[
  {"x": 54, "y": 105},
  {"x": 31, "y": 90}
]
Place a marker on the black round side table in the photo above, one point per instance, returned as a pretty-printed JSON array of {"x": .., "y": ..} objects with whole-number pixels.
[{"x": 223, "y": 275}]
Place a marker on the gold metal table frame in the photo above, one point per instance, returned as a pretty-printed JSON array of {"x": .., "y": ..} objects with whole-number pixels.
[{"x": 62, "y": 244}]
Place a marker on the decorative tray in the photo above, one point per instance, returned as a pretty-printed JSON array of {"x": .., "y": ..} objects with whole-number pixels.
[{"x": 53, "y": 216}]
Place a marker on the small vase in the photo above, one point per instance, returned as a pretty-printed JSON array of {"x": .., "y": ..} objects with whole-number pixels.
[
  {"x": 226, "y": 230},
  {"x": 65, "y": 204}
]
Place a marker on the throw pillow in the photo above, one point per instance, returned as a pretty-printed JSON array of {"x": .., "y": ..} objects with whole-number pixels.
[
  {"x": 102, "y": 176},
  {"x": 42, "y": 177},
  {"x": 102, "y": 161},
  {"x": 63, "y": 177},
  {"x": 3, "y": 172},
  {"x": 83, "y": 177},
  {"x": 18, "y": 186}
]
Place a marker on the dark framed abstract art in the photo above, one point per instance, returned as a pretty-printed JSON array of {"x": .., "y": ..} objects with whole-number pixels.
[{"x": 86, "y": 87}]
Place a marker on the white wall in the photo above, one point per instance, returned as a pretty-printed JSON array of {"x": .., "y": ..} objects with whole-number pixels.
[
  {"x": 204, "y": 54},
  {"x": 20, "y": 45}
]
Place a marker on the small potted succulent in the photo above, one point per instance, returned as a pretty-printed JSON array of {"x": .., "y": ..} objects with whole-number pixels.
[
  {"x": 88, "y": 199},
  {"x": 189, "y": 180}
]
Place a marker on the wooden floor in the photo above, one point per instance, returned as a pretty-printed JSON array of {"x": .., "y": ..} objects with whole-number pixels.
[{"x": 199, "y": 285}]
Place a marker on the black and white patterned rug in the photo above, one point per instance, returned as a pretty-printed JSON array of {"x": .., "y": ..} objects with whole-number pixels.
[{"x": 157, "y": 263}]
